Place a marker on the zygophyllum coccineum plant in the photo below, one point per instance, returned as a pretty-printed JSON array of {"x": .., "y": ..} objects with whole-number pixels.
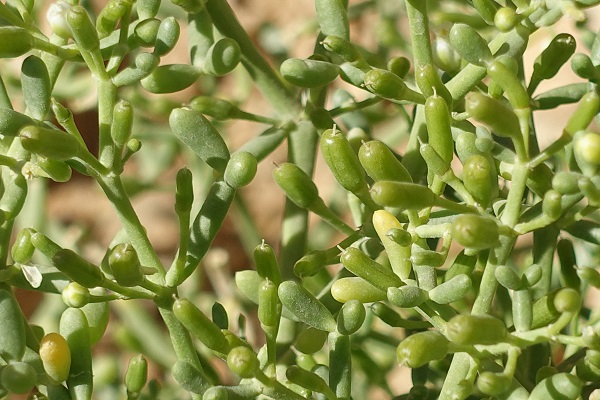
[{"x": 430, "y": 135}]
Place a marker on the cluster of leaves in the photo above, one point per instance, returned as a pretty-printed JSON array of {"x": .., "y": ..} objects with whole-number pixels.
[{"x": 332, "y": 320}]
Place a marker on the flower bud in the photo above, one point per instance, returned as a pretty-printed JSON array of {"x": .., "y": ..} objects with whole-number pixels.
[
  {"x": 57, "y": 170},
  {"x": 587, "y": 148},
  {"x": 122, "y": 123},
  {"x": 56, "y": 357},
  {"x": 296, "y": 184},
  {"x": 76, "y": 296},
  {"x": 56, "y": 15},
  {"x": 341, "y": 47},
  {"x": 445, "y": 56},
  {"x": 583, "y": 67},
  {"x": 266, "y": 263},
  {"x": 109, "y": 17},
  {"x": 567, "y": 300},
  {"x": 22, "y": 250},
  {"x": 218, "y": 109},
  {"x": 399, "y": 66},
  {"x": 50, "y": 143},
  {"x": 403, "y": 195},
  {"x": 421, "y": 348},
  {"x": 310, "y": 263},
  {"x": 125, "y": 265},
  {"x": 406, "y": 296},
  {"x": 308, "y": 73},
  {"x": 480, "y": 179},
  {"x": 137, "y": 374},
  {"x": 469, "y": 329},
  {"x": 146, "y": 31},
  {"x": 475, "y": 232},
  {"x": 171, "y": 78},
  {"x": 242, "y": 361},
  {"x": 269, "y": 306},
  {"x": 351, "y": 317},
  {"x": 82, "y": 28},
  {"x": 343, "y": 161},
  {"x": 200, "y": 326},
  {"x": 505, "y": 19},
  {"x": 240, "y": 170},
  {"x": 389, "y": 86},
  {"x": 552, "y": 204},
  {"x": 380, "y": 163},
  {"x": 566, "y": 182},
  {"x": 501, "y": 119}
]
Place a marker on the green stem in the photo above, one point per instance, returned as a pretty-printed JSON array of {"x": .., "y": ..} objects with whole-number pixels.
[
  {"x": 4, "y": 99},
  {"x": 184, "y": 240},
  {"x": 256, "y": 118},
  {"x": 115, "y": 192},
  {"x": 302, "y": 144},
  {"x": 336, "y": 112},
  {"x": 412, "y": 160},
  {"x": 51, "y": 48},
  {"x": 549, "y": 151},
  {"x": 472, "y": 74},
  {"x": 129, "y": 293},
  {"x": 331, "y": 218},
  {"x": 534, "y": 224},
  {"x": 107, "y": 98},
  {"x": 544, "y": 246},
  {"x": 512, "y": 211},
  {"x": 267, "y": 80},
  {"x": 461, "y": 363},
  {"x": 419, "y": 32},
  {"x": 275, "y": 389}
]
